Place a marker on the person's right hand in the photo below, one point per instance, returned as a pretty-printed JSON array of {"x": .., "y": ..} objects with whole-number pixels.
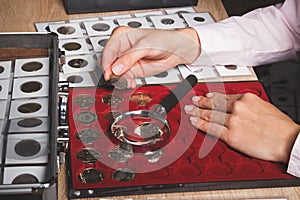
[{"x": 135, "y": 52}]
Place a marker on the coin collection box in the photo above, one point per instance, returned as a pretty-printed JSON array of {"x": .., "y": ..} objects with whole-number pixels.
[{"x": 101, "y": 165}]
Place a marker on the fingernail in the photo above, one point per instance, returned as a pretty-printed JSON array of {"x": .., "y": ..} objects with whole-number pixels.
[
  {"x": 194, "y": 120},
  {"x": 196, "y": 99},
  {"x": 210, "y": 94},
  {"x": 188, "y": 108},
  {"x": 117, "y": 69}
]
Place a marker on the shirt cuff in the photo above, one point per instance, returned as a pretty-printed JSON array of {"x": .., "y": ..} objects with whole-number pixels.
[{"x": 294, "y": 162}]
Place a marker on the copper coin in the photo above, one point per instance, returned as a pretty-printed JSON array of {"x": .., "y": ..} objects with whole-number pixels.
[
  {"x": 91, "y": 175},
  {"x": 84, "y": 101},
  {"x": 32, "y": 66},
  {"x": 66, "y": 30},
  {"x": 31, "y": 86},
  {"x": 29, "y": 108},
  {"x": 141, "y": 99},
  {"x": 231, "y": 67},
  {"x": 88, "y": 155},
  {"x": 88, "y": 135},
  {"x": 86, "y": 117}
]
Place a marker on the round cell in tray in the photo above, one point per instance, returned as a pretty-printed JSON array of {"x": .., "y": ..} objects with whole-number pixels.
[
  {"x": 84, "y": 101},
  {"x": 75, "y": 46},
  {"x": 88, "y": 135},
  {"x": 186, "y": 170},
  {"x": 111, "y": 115},
  {"x": 4, "y": 88},
  {"x": 80, "y": 63},
  {"x": 26, "y": 108},
  {"x": 88, "y": 155},
  {"x": 86, "y": 117},
  {"x": 27, "y": 88},
  {"x": 91, "y": 175},
  {"x": 31, "y": 67},
  {"x": 32, "y": 124},
  {"x": 100, "y": 27},
  {"x": 140, "y": 98},
  {"x": 219, "y": 169},
  {"x": 66, "y": 30},
  {"x": 27, "y": 148},
  {"x": 5, "y": 69},
  {"x": 249, "y": 168},
  {"x": 24, "y": 174},
  {"x": 123, "y": 175},
  {"x": 112, "y": 100}
]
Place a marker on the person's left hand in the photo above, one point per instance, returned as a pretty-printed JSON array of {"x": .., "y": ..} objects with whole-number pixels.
[{"x": 246, "y": 123}]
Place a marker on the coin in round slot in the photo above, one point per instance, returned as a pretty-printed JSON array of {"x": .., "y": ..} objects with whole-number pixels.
[
  {"x": 121, "y": 153},
  {"x": 231, "y": 67},
  {"x": 148, "y": 130},
  {"x": 110, "y": 116},
  {"x": 102, "y": 42},
  {"x": 78, "y": 63},
  {"x": 141, "y": 99},
  {"x": 1, "y": 69},
  {"x": 91, "y": 175},
  {"x": 199, "y": 19},
  {"x": 0, "y": 88},
  {"x": 31, "y": 86},
  {"x": 112, "y": 100},
  {"x": 84, "y": 101},
  {"x": 88, "y": 136},
  {"x": 71, "y": 46},
  {"x": 27, "y": 148},
  {"x": 101, "y": 27},
  {"x": 74, "y": 79},
  {"x": 66, "y": 30},
  {"x": 88, "y": 155},
  {"x": 29, "y": 108},
  {"x": 32, "y": 66},
  {"x": 29, "y": 122},
  {"x": 153, "y": 156},
  {"x": 162, "y": 75},
  {"x": 85, "y": 117},
  {"x": 167, "y": 21},
  {"x": 123, "y": 175},
  {"x": 134, "y": 24},
  {"x": 25, "y": 179}
]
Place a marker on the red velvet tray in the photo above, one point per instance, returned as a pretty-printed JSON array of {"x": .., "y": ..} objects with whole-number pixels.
[{"x": 180, "y": 162}]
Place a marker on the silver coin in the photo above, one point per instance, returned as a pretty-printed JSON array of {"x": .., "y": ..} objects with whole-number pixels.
[
  {"x": 121, "y": 153},
  {"x": 88, "y": 135},
  {"x": 148, "y": 130},
  {"x": 84, "y": 101},
  {"x": 91, "y": 175},
  {"x": 88, "y": 155},
  {"x": 112, "y": 100},
  {"x": 119, "y": 83},
  {"x": 153, "y": 156},
  {"x": 86, "y": 117},
  {"x": 123, "y": 175}
]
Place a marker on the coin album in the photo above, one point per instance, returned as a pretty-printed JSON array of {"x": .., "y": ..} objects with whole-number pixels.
[{"x": 56, "y": 108}]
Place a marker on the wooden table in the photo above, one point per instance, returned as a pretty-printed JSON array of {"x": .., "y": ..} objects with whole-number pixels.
[{"x": 20, "y": 16}]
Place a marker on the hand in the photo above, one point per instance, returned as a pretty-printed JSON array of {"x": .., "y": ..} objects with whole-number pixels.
[
  {"x": 246, "y": 123},
  {"x": 135, "y": 52}
]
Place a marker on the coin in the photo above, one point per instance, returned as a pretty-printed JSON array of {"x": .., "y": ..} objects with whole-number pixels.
[
  {"x": 231, "y": 67},
  {"x": 153, "y": 156},
  {"x": 84, "y": 101},
  {"x": 123, "y": 175},
  {"x": 119, "y": 83},
  {"x": 112, "y": 100},
  {"x": 88, "y": 155},
  {"x": 85, "y": 117},
  {"x": 148, "y": 130},
  {"x": 121, "y": 153},
  {"x": 25, "y": 179},
  {"x": 27, "y": 148},
  {"x": 88, "y": 135},
  {"x": 91, "y": 175},
  {"x": 141, "y": 99}
]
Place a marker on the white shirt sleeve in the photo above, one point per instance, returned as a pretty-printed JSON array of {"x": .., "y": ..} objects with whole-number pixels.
[
  {"x": 294, "y": 162},
  {"x": 262, "y": 36}
]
